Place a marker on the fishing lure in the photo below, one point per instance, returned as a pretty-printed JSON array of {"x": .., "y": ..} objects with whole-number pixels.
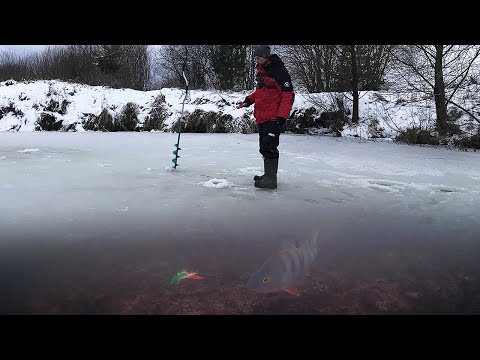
[{"x": 185, "y": 275}]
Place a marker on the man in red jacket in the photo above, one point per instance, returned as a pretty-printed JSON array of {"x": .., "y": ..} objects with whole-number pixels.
[{"x": 273, "y": 99}]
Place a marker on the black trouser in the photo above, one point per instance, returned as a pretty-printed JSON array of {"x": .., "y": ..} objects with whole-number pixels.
[{"x": 269, "y": 133}]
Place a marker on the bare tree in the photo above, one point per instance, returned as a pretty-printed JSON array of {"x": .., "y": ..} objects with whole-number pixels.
[
  {"x": 354, "y": 82},
  {"x": 338, "y": 68},
  {"x": 360, "y": 68},
  {"x": 135, "y": 71},
  {"x": 249, "y": 78},
  {"x": 435, "y": 72},
  {"x": 311, "y": 66},
  {"x": 172, "y": 58}
]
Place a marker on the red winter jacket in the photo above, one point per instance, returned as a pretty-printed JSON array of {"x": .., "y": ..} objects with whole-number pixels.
[{"x": 274, "y": 94}]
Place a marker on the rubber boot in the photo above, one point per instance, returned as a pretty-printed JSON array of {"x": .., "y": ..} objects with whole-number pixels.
[{"x": 269, "y": 180}]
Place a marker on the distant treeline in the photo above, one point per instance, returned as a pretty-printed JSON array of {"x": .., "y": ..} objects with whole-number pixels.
[
  {"x": 431, "y": 73},
  {"x": 118, "y": 66},
  {"x": 315, "y": 68}
]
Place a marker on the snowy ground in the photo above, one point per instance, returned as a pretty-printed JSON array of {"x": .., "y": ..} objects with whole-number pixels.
[{"x": 23, "y": 103}]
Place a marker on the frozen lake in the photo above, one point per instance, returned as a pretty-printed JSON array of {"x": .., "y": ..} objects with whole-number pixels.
[{"x": 99, "y": 223}]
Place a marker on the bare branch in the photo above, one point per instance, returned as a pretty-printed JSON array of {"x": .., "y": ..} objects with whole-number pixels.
[{"x": 465, "y": 110}]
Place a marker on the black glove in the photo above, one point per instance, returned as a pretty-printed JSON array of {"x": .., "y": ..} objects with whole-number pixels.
[
  {"x": 245, "y": 103},
  {"x": 281, "y": 121}
]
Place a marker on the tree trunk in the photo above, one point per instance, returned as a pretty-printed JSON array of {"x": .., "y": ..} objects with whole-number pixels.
[
  {"x": 439, "y": 92},
  {"x": 353, "y": 58}
]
